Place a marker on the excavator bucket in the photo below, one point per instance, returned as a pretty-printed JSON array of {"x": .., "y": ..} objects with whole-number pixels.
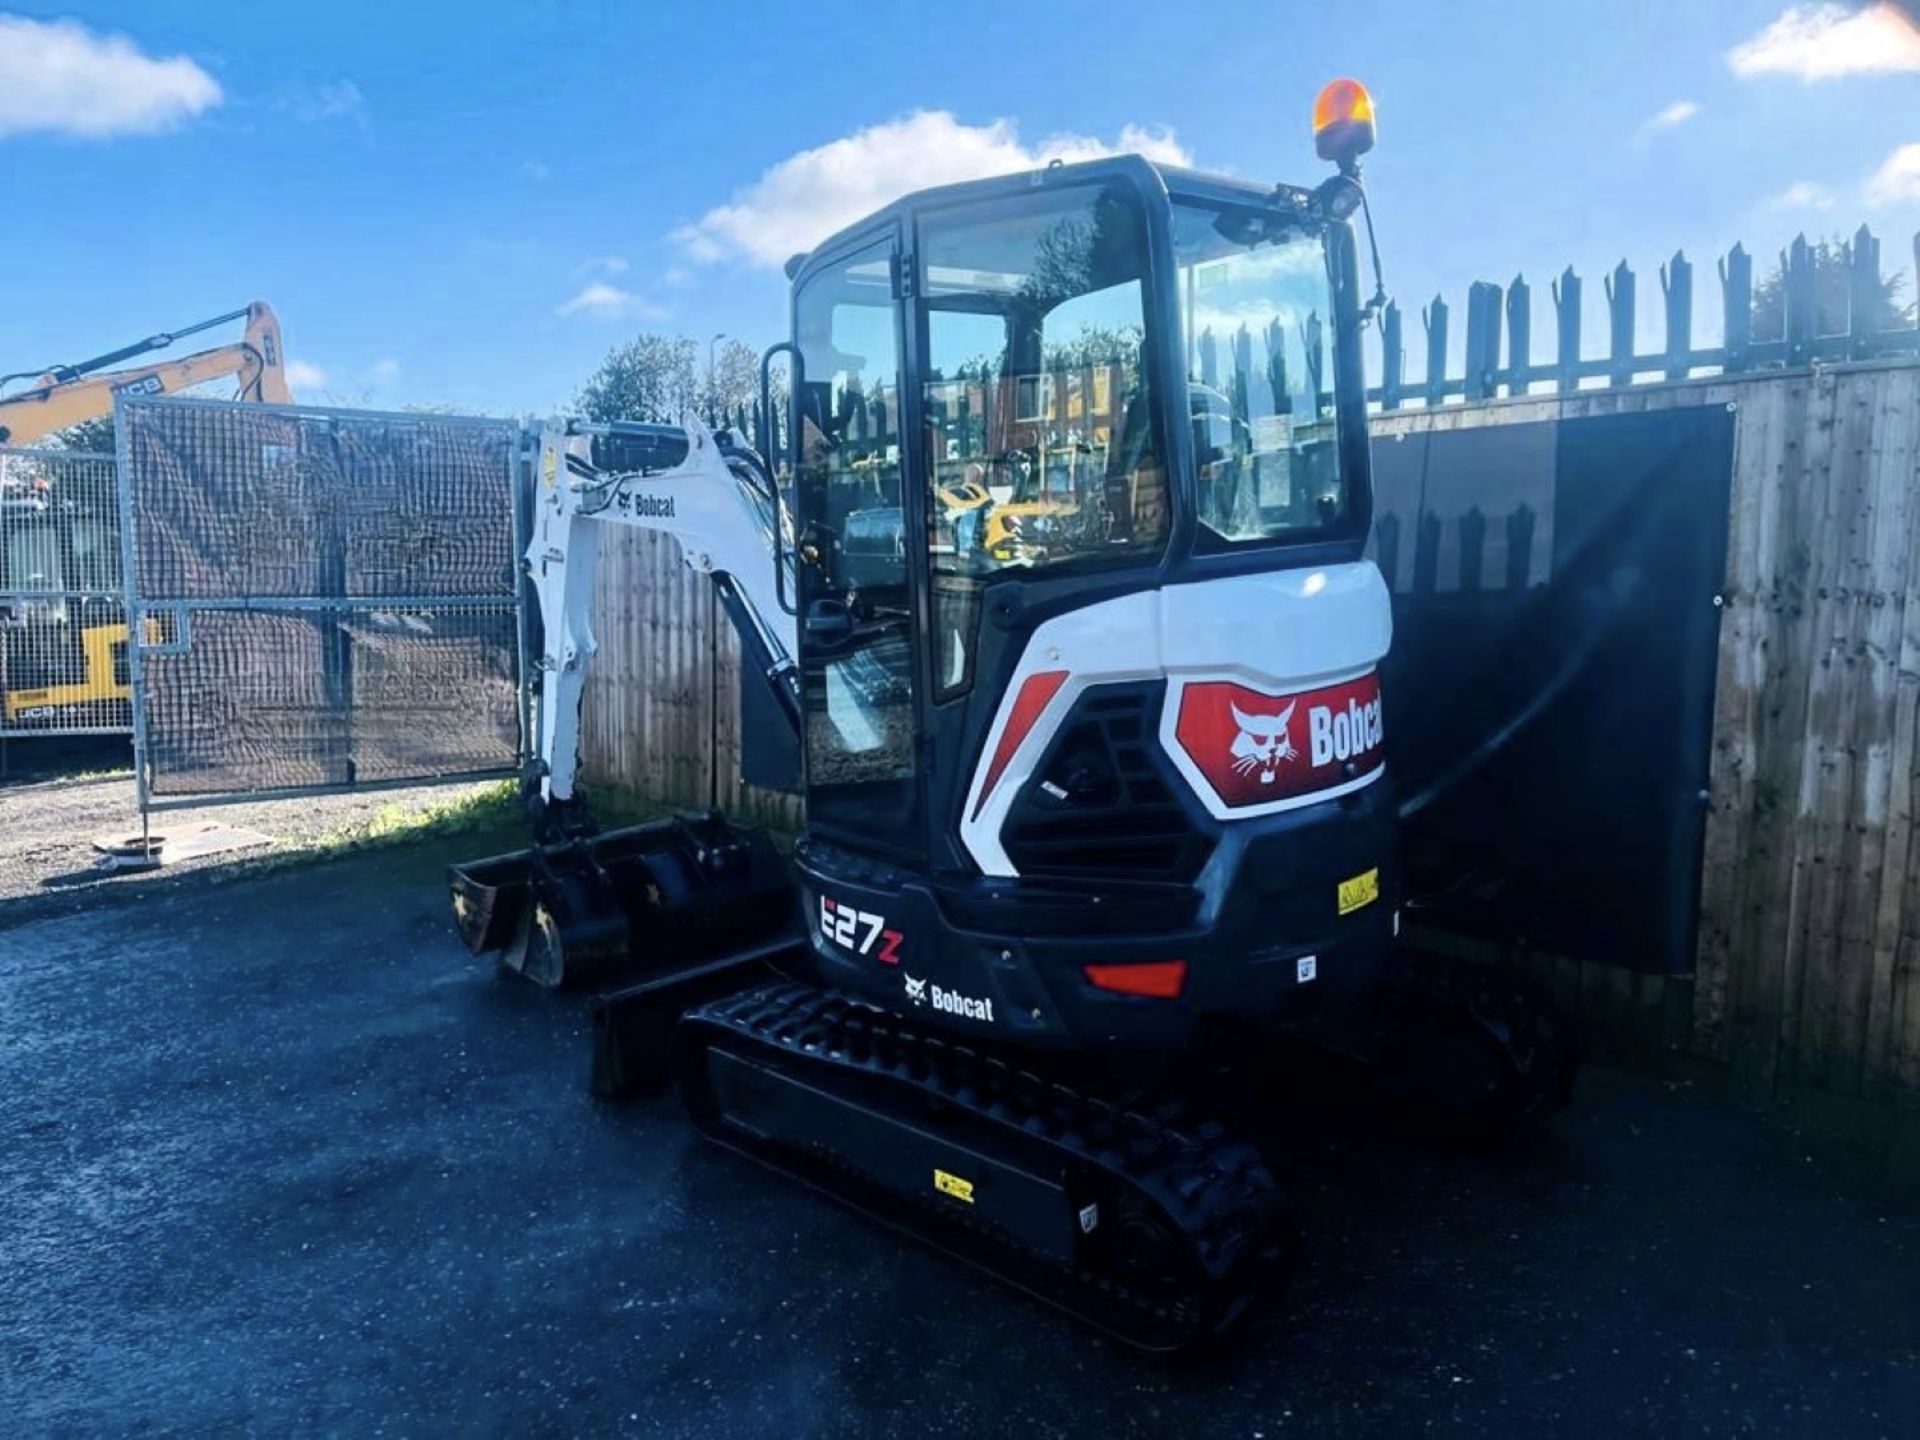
[{"x": 626, "y": 907}]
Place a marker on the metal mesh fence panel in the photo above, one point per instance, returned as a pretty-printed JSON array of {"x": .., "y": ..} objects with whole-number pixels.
[
  {"x": 63, "y": 626},
  {"x": 330, "y": 596}
]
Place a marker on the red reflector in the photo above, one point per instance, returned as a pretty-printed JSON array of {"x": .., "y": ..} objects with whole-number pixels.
[{"x": 1162, "y": 979}]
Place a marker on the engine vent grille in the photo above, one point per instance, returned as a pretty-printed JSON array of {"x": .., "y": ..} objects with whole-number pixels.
[{"x": 1102, "y": 803}]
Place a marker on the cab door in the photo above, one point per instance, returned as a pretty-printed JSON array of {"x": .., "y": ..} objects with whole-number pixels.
[{"x": 857, "y": 628}]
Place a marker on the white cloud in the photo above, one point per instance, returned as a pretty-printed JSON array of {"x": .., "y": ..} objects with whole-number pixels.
[
  {"x": 536, "y": 171},
  {"x": 607, "y": 302},
  {"x": 678, "y": 277},
  {"x": 337, "y": 97},
  {"x": 304, "y": 375},
  {"x": 1674, "y": 115},
  {"x": 599, "y": 298},
  {"x": 1803, "y": 195},
  {"x": 384, "y": 371},
  {"x": 59, "y": 76},
  {"x": 1898, "y": 178},
  {"x": 806, "y": 197},
  {"x": 1822, "y": 42},
  {"x": 606, "y": 265},
  {"x": 328, "y": 100}
]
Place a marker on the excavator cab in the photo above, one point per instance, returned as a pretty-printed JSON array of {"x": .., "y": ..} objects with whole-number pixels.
[{"x": 1025, "y": 778}]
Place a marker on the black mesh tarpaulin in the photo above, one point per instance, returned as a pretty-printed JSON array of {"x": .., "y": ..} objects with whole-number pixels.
[
  {"x": 331, "y": 595},
  {"x": 1550, "y": 691}
]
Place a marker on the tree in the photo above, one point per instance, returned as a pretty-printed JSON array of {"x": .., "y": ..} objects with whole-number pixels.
[
  {"x": 733, "y": 384},
  {"x": 650, "y": 377},
  {"x": 95, "y": 435},
  {"x": 1832, "y": 281}
]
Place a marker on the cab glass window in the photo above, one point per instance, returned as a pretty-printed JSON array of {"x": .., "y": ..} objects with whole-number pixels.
[
  {"x": 1041, "y": 449},
  {"x": 858, "y": 690},
  {"x": 1256, "y": 306}
]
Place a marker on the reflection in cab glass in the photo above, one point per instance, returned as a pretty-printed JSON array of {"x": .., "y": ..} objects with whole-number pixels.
[
  {"x": 1040, "y": 450},
  {"x": 857, "y": 674},
  {"x": 1256, "y": 301}
]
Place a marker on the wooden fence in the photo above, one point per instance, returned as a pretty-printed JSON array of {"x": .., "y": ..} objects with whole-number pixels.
[
  {"x": 1809, "y": 950},
  {"x": 1808, "y": 968},
  {"x": 661, "y": 714},
  {"x": 1806, "y": 297}
]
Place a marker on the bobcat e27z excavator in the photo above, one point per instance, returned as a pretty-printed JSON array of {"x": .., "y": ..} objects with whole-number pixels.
[{"x": 1077, "y": 803}]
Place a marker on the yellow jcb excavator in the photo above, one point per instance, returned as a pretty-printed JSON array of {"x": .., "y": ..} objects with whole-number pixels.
[{"x": 62, "y": 636}]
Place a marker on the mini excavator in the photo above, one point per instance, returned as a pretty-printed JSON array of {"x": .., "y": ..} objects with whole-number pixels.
[{"x": 1090, "y": 786}]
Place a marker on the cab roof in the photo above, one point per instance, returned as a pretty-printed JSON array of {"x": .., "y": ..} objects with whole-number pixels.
[{"x": 1146, "y": 174}]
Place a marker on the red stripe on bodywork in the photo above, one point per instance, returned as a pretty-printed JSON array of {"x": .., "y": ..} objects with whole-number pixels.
[{"x": 1035, "y": 691}]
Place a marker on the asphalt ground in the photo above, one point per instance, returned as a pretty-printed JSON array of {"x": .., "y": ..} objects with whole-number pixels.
[{"x": 278, "y": 1157}]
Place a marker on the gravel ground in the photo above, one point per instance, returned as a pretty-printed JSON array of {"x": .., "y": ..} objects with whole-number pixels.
[
  {"x": 281, "y": 1158},
  {"x": 47, "y": 828}
]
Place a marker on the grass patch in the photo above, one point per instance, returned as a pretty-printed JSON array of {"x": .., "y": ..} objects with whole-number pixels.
[{"x": 488, "y": 808}]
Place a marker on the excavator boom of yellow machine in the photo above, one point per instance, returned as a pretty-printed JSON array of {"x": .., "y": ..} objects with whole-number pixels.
[{"x": 54, "y": 402}]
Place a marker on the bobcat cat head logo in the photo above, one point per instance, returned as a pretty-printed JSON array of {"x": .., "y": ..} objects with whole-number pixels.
[
  {"x": 1262, "y": 743},
  {"x": 916, "y": 990}
]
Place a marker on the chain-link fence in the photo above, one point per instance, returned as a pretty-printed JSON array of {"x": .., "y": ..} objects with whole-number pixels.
[
  {"x": 63, "y": 627},
  {"x": 328, "y": 598}
]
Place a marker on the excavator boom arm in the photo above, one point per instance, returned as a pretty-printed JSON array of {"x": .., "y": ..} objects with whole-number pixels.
[
  {"x": 727, "y": 530},
  {"x": 53, "y": 403}
]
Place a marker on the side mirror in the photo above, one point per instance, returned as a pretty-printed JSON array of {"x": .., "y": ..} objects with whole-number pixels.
[{"x": 829, "y": 624}]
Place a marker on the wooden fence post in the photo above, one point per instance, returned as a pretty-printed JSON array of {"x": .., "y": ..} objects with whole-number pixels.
[
  {"x": 1863, "y": 292},
  {"x": 1519, "y": 335},
  {"x": 1798, "y": 284},
  {"x": 1736, "y": 298},
  {"x": 1676, "y": 283},
  {"x": 1435, "y": 318},
  {"x": 1392, "y": 357},
  {"x": 1619, "y": 287},
  {"x": 1483, "y": 340},
  {"x": 1566, "y": 305}
]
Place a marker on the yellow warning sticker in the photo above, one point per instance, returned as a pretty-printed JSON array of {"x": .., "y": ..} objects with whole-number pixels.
[
  {"x": 549, "y": 466},
  {"x": 1362, "y": 889},
  {"x": 953, "y": 1185}
]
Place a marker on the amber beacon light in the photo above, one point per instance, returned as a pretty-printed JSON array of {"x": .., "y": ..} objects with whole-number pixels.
[{"x": 1343, "y": 122}]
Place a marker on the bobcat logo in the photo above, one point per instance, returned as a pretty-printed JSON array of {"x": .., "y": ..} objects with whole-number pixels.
[
  {"x": 916, "y": 990},
  {"x": 1262, "y": 743}
]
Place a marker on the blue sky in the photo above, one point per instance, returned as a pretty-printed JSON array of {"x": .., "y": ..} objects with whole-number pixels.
[{"x": 467, "y": 205}]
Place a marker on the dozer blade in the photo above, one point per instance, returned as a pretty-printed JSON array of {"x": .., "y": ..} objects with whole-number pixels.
[
  {"x": 632, "y": 1026},
  {"x": 625, "y": 906}
]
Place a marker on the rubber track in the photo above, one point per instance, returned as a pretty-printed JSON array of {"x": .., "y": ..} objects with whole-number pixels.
[{"x": 1219, "y": 1197}]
